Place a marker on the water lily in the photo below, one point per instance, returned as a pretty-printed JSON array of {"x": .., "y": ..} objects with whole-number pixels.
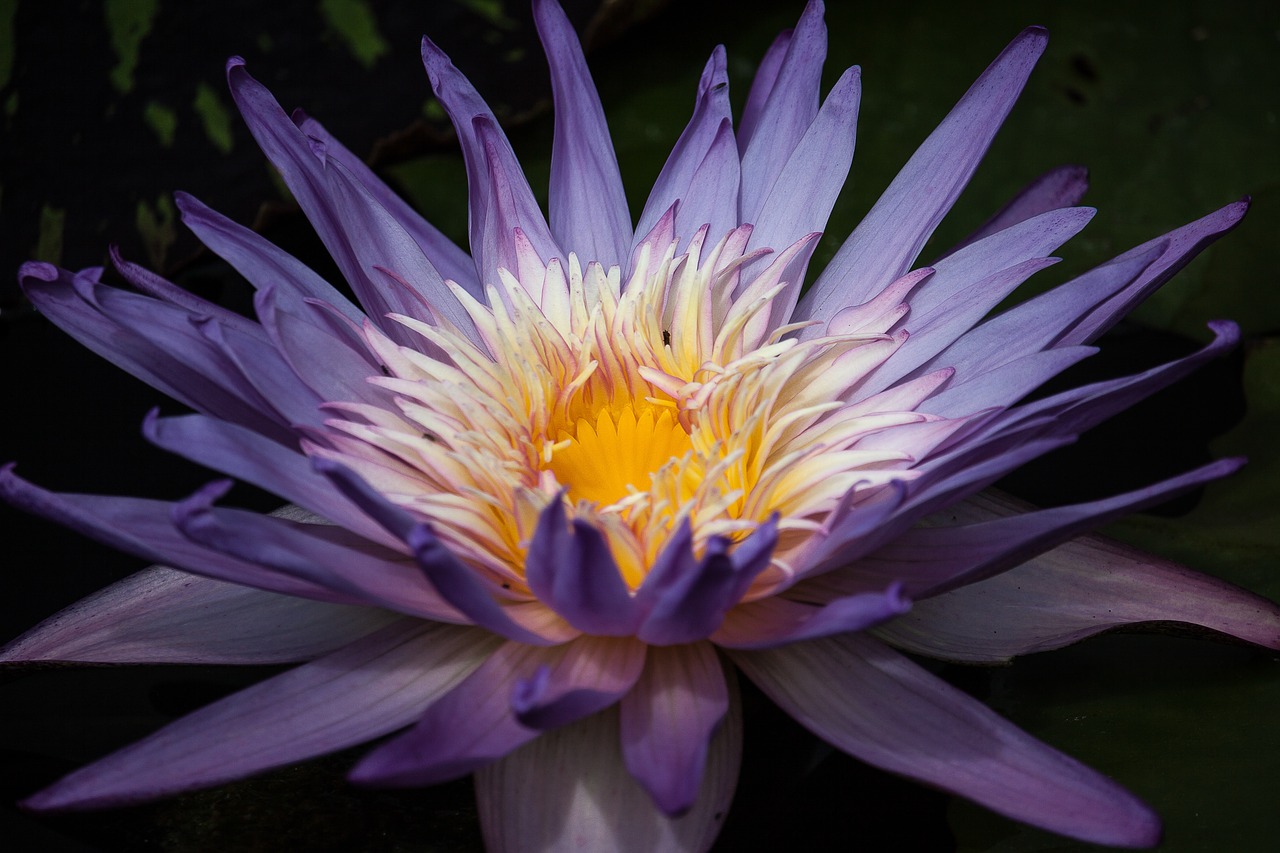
[{"x": 548, "y": 498}]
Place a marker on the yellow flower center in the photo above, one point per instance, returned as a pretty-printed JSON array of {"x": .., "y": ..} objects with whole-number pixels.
[{"x": 617, "y": 456}]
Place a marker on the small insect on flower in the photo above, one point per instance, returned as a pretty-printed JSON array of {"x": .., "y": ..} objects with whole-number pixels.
[{"x": 546, "y": 498}]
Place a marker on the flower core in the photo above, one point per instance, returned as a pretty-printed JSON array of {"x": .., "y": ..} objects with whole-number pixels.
[{"x": 645, "y": 406}]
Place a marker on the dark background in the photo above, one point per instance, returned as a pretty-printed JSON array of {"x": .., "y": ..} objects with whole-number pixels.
[{"x": 106, "y": 108}]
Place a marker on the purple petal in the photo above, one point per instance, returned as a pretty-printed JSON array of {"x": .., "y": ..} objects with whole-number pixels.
[
  {"x": 761, "y": 85},
  {"x": 161, "y": 615},
  {"x": 668, "y": 720},
  {"x": 931, "y": 560},
  {"x": 487, "y": 159},
  {"x": 569, "y": 566},
  {"x": 367, "y": 689},
  {"x": 143, "y": 527},
  {"x": 329, "y": 556},
  {"x": 1056, "y": 188},
  {"x": 585, "y": 799},
  {"x": 259, "y": 260},
  {"x": 160, "y": 288},
  {"x": 684, "y": 599},
  {"x": 245, "y": 455},
  {"x": 1180, "y": 247},
  {"x": 446, "y": 256},
  {"x": 889, "y": 238},
  {"x": 786, "y": 114},
  {"x": 776, "y": 621},
  {"x": 810, "y": 179},
  {"x": 871, "y": 702},
  {"x": 712, "y": 196},
  {"x": 1089, "y": 585},
  {"x": 588, "y": 206},
  {"x": 709, "y": 112},
  {"x": 146, "y": 337},
  {"x": 1004, "y": 385},
  {"x": 475, "y": 724},
  {"x": 590, "y": 677}
]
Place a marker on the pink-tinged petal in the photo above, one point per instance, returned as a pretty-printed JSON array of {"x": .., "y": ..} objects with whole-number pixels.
[
  {"x": 668, "y": 720},
  {"x": 776, "y": 621},
  {"x": 586, "y": 800},
  {"x": 445, "y": 255},
  {"x": 587, "y": 203},
  {"x": 876, "y": 705},
  {"x": 672, "y": 184},
  {"x": 1180, "y": 247},
  {"x": 1056, "y": 188},
  {"x": 367, "y": 689},
  {"x": 323, "y": 554},
  {"x": 889, "y": 238},
  {"x": 259, "y": 260},
  {"x": 476, "y": 724},
  {"x": 1089, "y": 585},
  {"x": 569, "y": 566},
  {"x": 144, "y": 528},
  {"x": 786, "y": 114},
  {"x": 930, "y": 560},
  {"x": 161, "y": 615},
  {"x": 810, "y": 179}
]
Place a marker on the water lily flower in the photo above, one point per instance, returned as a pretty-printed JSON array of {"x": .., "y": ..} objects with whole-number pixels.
[{"x": 548, "y": 500}]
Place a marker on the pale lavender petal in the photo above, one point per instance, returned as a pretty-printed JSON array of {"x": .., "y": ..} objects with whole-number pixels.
[
  {"x": 475, "y": 724},
  {"x": 1004, "y": 385},
  {"x": 161, "y": 615},
  {"x": 775, "y": 621},
  {"x": 367, "y": 689},
  {"x": 143, "y": 527},
  {"x": 873, "y": 703},
  {"x": 163, "y": 289},
  {"x": 446, "y": 256},
  {"x": 1056, "y": 188},
  {"x": 668, "y": 720},
  {"x": 810, "y": 179},
  {"x": 1037, "y": 237},
  {"x": 586, "y": 800},
  {"x": 887, "y": 241},
  {"x": 672, "y": 184},
  {"x": 712, "y": 196},
  {"x": 1086, "y": 586},
  {"x": 569, "y": 566},
  {"x": 762, "y": 84},
  {"x": 787, "y": 112},
  {"x": 259, "y": 260},
  {"x": 684, "y": 599},
  {"x": 588, "y": 205}
]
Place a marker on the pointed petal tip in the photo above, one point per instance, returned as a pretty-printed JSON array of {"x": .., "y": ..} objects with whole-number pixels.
[
  {"x": 234, "y": 62},
  {"x": 42, "y": 270}
]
